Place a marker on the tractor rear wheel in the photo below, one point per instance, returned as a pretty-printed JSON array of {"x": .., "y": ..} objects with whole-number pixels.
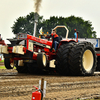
[
  {"x": 82, "y": 59},
  {"x": 62, "y": 66},
  {"x": 8, "y": 64},
  {"x": 98, "y": 63}
]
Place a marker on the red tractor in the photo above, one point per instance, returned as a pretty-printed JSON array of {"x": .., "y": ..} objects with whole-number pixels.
[{"x": 30, "y": 54}]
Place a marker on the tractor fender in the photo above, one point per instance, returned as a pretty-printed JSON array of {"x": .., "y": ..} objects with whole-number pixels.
[{"x": 66, "y": 41}]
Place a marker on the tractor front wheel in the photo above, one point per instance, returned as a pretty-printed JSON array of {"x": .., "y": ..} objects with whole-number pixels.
[
  {"x": 20, "y": 68},
  {"x": 9, "y": 64}
]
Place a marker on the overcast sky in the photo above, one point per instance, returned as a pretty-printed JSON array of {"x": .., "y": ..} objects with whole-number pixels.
[{"x": 10, "y": 10}]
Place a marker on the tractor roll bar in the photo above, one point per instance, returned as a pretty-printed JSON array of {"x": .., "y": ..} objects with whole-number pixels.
[{"x": 61, "y": 26}]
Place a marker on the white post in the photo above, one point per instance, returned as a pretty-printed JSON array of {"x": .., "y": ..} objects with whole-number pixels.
[
  {"x": 44, "y": 89},
  {"x": 39, "y": 84}
]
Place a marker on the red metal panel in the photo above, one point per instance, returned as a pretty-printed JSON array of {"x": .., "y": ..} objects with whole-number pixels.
[
  {"x": 42, "y": 41},
  {"x": 35, "y": 56},
  {"x": 36, "y": 95},
  {"x": 98, "y": 54},
  {"x": 27, "y": 43}
]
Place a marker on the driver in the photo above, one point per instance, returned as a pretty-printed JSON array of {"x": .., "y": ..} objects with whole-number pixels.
[{"x": 55, "y": 40}]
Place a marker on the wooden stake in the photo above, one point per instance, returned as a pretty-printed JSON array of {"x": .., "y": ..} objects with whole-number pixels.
[{"x": 42, "y": 83}]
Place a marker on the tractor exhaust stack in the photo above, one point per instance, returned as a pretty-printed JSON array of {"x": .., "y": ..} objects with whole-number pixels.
[{"x": 36, "y": 16}]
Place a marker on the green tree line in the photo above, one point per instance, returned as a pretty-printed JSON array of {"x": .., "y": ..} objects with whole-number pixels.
[{"x": 26, "y": 25}]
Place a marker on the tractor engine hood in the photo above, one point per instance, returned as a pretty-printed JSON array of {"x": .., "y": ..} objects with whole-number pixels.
[
  {"x": 15, "y": 42},
  {"x": 41, "y": 41}
]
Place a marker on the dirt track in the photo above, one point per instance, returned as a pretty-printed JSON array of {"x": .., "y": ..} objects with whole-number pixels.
[
  {"x": 1, "y": 63},
  {"x": 14, "y": 86}
]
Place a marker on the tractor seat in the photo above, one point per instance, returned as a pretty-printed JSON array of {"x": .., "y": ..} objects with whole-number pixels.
[{"x": 60, "y": 38}]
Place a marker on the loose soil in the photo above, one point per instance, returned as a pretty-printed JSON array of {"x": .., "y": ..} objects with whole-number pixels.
[{"x": 15, "y": 86}]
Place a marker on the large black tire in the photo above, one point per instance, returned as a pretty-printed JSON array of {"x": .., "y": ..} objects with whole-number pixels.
[
  {"x": 21, "y": 69},
  {"x": 98, "y": 63},
  {"x": 82, "y": 59},
  {"x": 34, "y": 69},
  {"x": 41, "y": 60},
  {"x": 62, "y": 66},
  {"x": 7, "y": 63}
]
